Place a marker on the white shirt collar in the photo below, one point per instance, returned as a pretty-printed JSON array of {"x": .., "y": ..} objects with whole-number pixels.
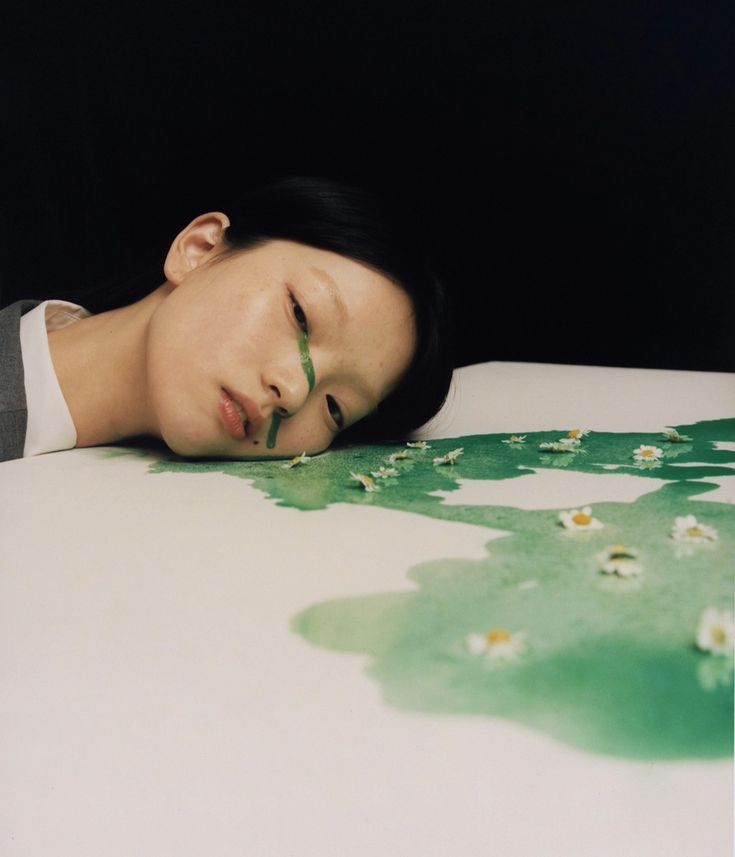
[{"x": 50, "y": 426}]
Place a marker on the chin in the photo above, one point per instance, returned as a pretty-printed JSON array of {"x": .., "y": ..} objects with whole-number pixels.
[{"x": 190, "y": 444}]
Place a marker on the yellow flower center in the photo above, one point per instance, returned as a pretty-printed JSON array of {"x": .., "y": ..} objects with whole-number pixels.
[
  {"x": 581, "y": 519},
  {"x": 497, "y": 635},
  {"x": 574, "y": 433},
  {"x": 647, "y": 453},
  {"x": 719, "y": 636},
  {"x": 695, "y": 532}
]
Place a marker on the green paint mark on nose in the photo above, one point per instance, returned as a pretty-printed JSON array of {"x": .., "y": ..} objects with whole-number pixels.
[
  {"x": 308, "y": 367},
  {"x": 306, "y": 363}
]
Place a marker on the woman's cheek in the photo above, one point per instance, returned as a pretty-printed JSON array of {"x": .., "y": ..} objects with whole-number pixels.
[
  {"x": 304, "y": 432},
  {"x": 181, "y": 413}
]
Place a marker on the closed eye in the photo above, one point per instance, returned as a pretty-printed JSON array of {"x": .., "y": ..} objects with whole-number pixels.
[{"x": 335, "y": 412}]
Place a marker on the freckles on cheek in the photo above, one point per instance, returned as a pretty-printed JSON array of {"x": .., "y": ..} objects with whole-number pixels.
[{"x": 298, "y": 435}]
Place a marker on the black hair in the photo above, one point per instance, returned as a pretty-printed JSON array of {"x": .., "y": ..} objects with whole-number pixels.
[{"x": 359, "y": 224}]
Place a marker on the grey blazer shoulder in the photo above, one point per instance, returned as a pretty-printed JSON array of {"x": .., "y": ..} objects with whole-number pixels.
[{"x": 13, "y": 410}]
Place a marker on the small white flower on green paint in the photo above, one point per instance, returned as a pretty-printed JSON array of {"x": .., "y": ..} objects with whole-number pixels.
[
  {"x": 647, "y": 454},
  {"x": 558, "y": 447},
  {"x": 497, "y": 644},
  {"x": 569, "y": 442},
  {"x": 367, "y": 482},
  {"x": 384, "y": 472},
  {"x": 620, "y": 560},
  {"x": 716, "y": 632},
  {"x": 579, "y": 519},
  {"x": 577, "y": 433},
  {"x": 401, "y": 455},
  {"x": 297, "y": 461},
  {"x": 418, "y": 444},
  {"x": 673, "y": 436},
  {"x": 688, "y": 529},
  {"x": 451, "y": 457},
  {"x": 516, "y": 439}
]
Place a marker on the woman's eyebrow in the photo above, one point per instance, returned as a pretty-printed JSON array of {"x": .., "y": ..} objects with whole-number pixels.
[{"x": 333, "y": 291}]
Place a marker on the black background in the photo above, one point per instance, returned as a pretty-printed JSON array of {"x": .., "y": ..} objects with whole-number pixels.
[{"x": 572, "y": 162}]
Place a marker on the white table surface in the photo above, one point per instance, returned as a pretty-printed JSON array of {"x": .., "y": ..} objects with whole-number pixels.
[{"x": 155, "y": 701}]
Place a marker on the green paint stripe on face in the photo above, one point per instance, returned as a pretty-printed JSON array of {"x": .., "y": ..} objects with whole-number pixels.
[
  {"x": 306, "y": 363},
  {"x": 276, "y": 420},
  {"x": 308, "y": 368}
]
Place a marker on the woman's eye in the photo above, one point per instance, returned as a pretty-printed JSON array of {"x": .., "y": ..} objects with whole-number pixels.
[
  {"x": 299, "y": 315},
  {"x": 335, "y": 412}
]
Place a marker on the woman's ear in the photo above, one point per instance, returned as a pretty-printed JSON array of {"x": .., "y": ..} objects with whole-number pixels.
[{"x": 201, "y": 240}]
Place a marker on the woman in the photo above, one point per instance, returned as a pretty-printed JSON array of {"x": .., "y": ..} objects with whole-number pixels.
[{"x": 307, "y": 315}]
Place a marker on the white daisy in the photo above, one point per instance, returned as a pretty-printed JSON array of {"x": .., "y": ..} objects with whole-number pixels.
[
  {"x": 688, "y": 529},
  {"x": 577, "y": 433},
  {"x": 673, "y": 436},
  {"x": 367, "y": 482},
  {"x": 384, "y": 472},
  {"x": 401, "y": 455},
  {"x": 620, "y": 560},
  {"x": 516, "y": 439},
  {"x": 579, "y": 519},
  {"x": 497, "y": 644},
  {"x": 418, "y": 444},
  {"x": 647, "y": 454},
  {"x": 297, "y": 461},
  {"x": 716, "y": 632},
  {"x": 451, "y": 457}
]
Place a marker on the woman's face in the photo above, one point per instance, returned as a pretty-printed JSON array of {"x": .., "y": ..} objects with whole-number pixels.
[{"x": 271, "y": 351}]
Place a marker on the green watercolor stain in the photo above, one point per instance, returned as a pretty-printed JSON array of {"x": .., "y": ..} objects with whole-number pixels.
[
  {"x": 308, "y": 367},
  {"x": 610, "y": 665}
]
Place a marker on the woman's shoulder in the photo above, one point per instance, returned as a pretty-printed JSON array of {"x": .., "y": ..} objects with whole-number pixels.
[
  {"x": 10, "y": 330},
  {"x": 12, "y": 313}
]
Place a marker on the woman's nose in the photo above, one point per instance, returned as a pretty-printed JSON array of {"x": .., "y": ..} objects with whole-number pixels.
[{"x": 286, "y": 388}]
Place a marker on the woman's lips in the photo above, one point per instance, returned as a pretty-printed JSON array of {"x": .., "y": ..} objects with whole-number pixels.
[
  {"x": 240, "y": 416},
  {"x": 231, "y": 418}
]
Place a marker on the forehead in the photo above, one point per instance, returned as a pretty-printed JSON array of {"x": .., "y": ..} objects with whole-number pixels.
[{"x": 294, "y": 258}]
